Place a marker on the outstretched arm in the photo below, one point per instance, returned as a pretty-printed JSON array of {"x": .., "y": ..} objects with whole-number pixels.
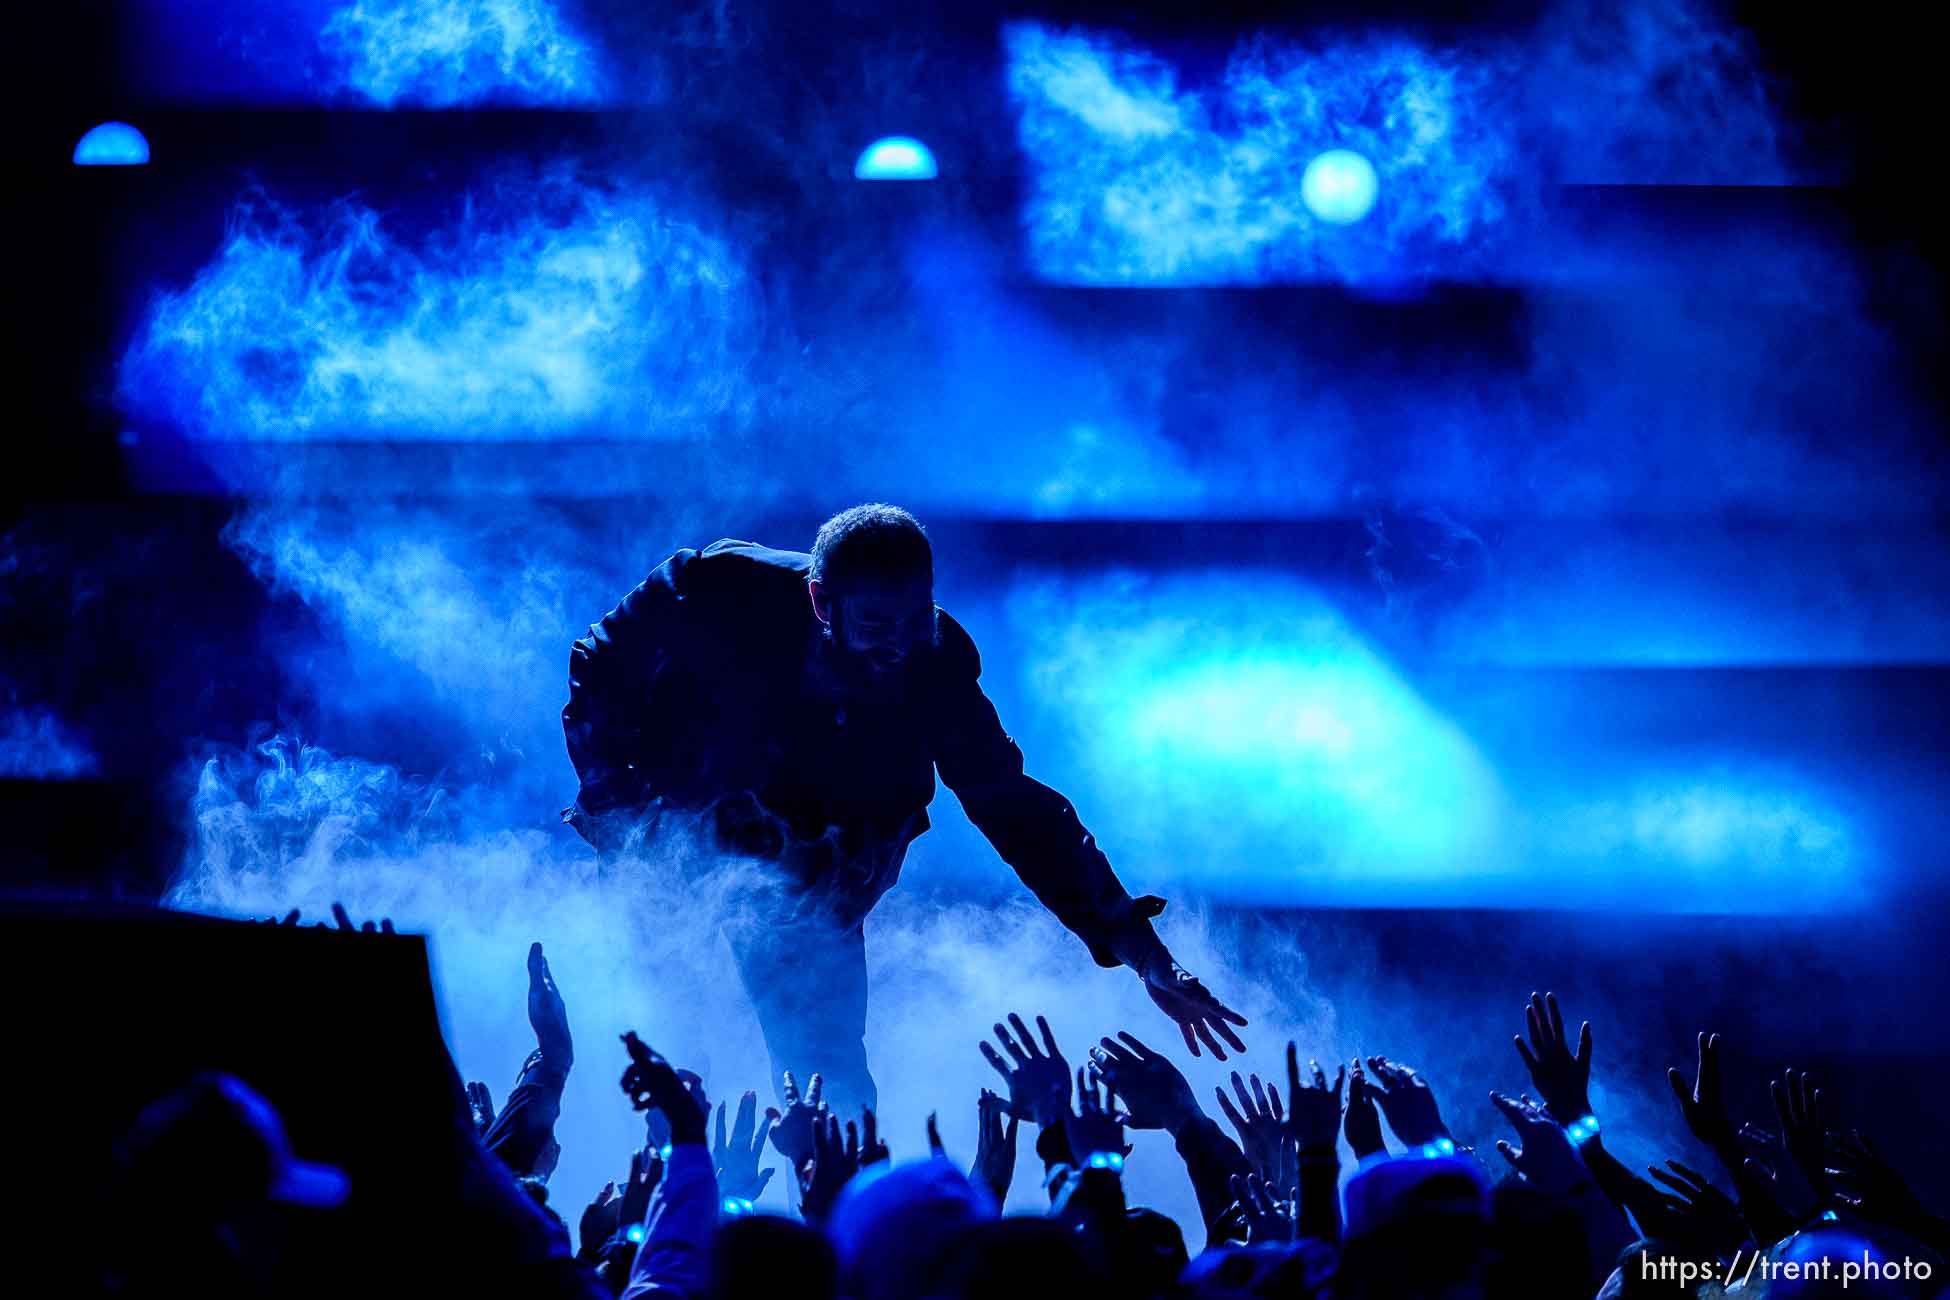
[
  {"x": 610, "y": 674},
  {"x": 1037, "y": 832}
]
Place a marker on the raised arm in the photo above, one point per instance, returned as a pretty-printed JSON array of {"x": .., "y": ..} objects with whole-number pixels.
[{"x": 1037, "y": 832}]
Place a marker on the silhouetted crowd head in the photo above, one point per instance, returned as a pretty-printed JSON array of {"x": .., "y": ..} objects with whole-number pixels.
[{"x": 1340, "y": 1186}]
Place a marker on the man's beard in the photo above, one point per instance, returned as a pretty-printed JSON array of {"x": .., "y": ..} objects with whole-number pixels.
[{"x": 855, "y": 673}]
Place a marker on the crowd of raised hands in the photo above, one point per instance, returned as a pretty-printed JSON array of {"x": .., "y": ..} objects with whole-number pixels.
[{"x": 1349, "y": 1184}]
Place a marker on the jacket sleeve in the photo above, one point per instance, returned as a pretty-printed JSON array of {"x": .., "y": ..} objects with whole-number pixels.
[
  {"x": 611, "y": 673},
  {"x": 526, "y": 1124},
  {"x": 674, "y": 1259},
  {"x": 1032, "y": 827}
]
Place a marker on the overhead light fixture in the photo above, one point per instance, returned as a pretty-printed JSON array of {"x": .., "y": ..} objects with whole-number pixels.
[{"x": 896, "y": 158}]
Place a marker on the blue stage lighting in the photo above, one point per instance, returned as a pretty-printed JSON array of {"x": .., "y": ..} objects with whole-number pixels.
[
  {"x": 112, "y": 144},
  {"x": 1339, "y": 187},
  {"x": 896, "y": 158}
]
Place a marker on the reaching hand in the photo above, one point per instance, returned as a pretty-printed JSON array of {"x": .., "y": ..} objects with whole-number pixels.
[
  {"x": 1039, "y": 1085},
  {"x": 1267, "y": 1217},
  {"x": 1546, "y": 1160},
  {"x": 1261, "y": 1126},
  {"x": 651, "y": 1081},
  {"x": 646, "y": 1171},
  {"x": 1154, "y": 1092},
  {"x": 792, "y": 1134},
  {"x": 1562, "y": 1079},
  {"x": 1362, "y": 1121},
  {"x": 1708, "y": 1215},
  {"x": 1798, "y": 1103},
  {"x": 341, "y": 920},
  {"x": 598, "y": 1223},
  {"x": 1198, "y": 1014},
  {"x": 480, "y": 1107},
  {"x": 1096, "y": 1124},
  {"x": 737, "y": 1160},
  {"x": 995, "y": 1147},
  {"x": 547, "y": 1015},
  {"x": 1702, "y": 1106},
  {"x": 1315, "y": 1116},
  {"x": 834, "y": 1162},
  {"x": 1862, "y": 1180},
  {"x": 1407, "y": 1101}
]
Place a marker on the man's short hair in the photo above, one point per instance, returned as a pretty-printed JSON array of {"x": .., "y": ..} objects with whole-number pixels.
[{"x": 871, "y": 541}]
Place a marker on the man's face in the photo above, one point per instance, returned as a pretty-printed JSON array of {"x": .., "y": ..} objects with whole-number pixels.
[{"x": 877, "y": 625}]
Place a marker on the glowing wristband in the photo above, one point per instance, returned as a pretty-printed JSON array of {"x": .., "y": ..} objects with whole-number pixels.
[
  {"x": 1581, "y": 1131},
  {"x": 1111, "y": 1160},
  {"x": 1439, "y": 1147},
  {"x": 663, "y": 1152},
  {"x": 635, "y": 1233},
  {"x": 736, "y": 1205}
]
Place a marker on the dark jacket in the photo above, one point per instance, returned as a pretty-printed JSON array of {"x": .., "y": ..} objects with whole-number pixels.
[{"x": 704, "y": 692}]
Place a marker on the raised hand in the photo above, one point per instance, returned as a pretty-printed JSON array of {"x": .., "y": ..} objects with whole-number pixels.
[
  {"x": 995, "y": 1145},
  {"x": 737, "y": 1159},
  {"x": 548, "y": 1016},
  {"x": 1703, "y": 1106},
  {"x": 1096, "y": 1125},
  {"x": 1798, "y": 1104},
  {"x": 1039, "y": 1081},
  {"x": 1198, "y": 1014},
  {"x": 646, "y": 1171},
  {"x": 342, "y": 920},
  {"x": 1562, "y": 1077},
  {"x": 1267, "y": 1217},
  {"x": 872, "y": 1150},
  {"x": 480, "y": 1107},
  {"x": 1154, "y": 1092},
  {"x": 1315, "y": 1115},
  {"x": 1407, "y": 1101},
  {"x": 792, "y": 1134},
  {"x": 1362, "y": 1121},
  {"x": 1547, "y": 1160},
  {"x": 1861, "y": 1179},
  {"x": 1708, "y": 1214},
  {"x": 835, "y": 1161},
  {"x": 1262, "y": 1130},
  {"x": 651, "y": 1081},
  {"x": 600, "y": 1219}
]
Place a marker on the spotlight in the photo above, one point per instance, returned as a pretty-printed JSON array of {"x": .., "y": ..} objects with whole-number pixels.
[
  {"x": 112, "y": 144},
  {"x": 895, "y": 158},
  {"x": 1339, "y": 187}
]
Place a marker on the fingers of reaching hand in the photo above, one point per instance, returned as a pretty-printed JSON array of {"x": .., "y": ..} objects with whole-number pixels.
[
  {"x": 1049, "y": 1039},
  {"x": 815, "y": 1091},
  {"x": 1232, "y": 1116},
  {"x": 791, "y": 1089},
  {"x": 994, "y": 1058},
  {"x": 1009, "y": 1044},
  {"x": 743, "y": 1126},
  {"x": 1022, "y": 1036},
  {"x": 869, "y": 1128}
]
